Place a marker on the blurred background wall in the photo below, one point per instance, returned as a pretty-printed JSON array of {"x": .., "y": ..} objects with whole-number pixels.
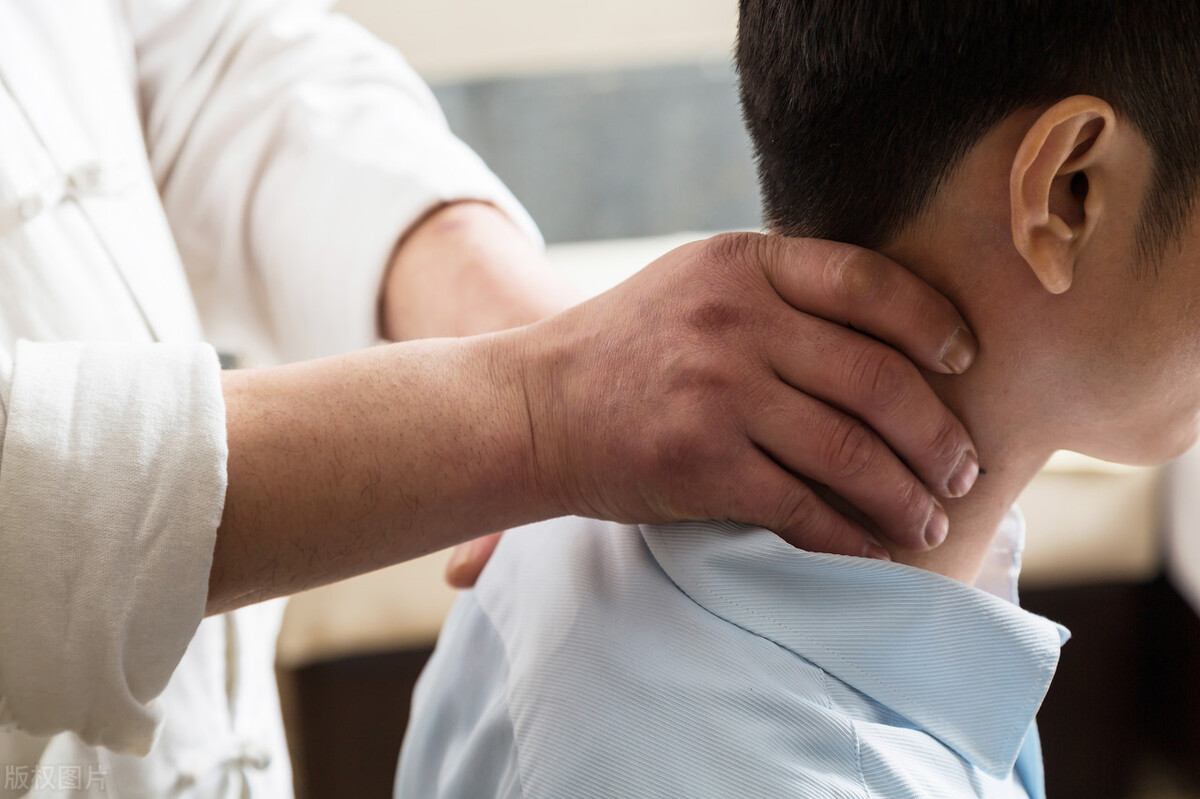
[
  {"x": 606, "y": 119},
  {"x": 461, "y": 39}
]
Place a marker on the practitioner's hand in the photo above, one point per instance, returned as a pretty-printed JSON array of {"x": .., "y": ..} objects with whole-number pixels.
[{"x": 707, "y": 384}]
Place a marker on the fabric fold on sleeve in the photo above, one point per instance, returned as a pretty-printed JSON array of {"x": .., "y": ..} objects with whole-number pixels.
[
  {"x": 112, "y": 482},
  {"x": 337, "y": 199}
]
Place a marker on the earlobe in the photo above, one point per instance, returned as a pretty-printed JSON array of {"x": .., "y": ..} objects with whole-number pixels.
[{"x": 1051, "y": 218}]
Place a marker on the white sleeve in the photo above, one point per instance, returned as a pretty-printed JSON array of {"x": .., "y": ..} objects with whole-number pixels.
[
  {"x": 289, "y": 142},
  {"x": 112, "y": 481}
]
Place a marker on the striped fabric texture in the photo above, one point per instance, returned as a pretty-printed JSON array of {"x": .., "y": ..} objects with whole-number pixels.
[{"x": 703, "y": 660}]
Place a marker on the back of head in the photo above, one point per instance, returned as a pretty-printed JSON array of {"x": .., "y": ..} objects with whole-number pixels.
[{"x": 859, "y": 108}]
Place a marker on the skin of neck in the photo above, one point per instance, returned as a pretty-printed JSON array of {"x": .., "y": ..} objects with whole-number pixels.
[
  {"x": 962, "y": 245},
  {"x": 1010, "y": 459}
]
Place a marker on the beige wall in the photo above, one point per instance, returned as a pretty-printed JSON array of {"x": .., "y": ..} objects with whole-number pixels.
[{"x": 472, "y": 38}]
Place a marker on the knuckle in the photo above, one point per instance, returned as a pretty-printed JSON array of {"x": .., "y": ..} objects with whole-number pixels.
[
  {"x": 799, "y": 511},
  {"x": 820, "y": 532},
  {"x": 682, "y": 449},
  {"x": 713, "y": 314},
  {"x": 696, "y": 379},
  {"x": 946, "y": 447},
  {"x": 854, "y": 275},
  {"x": 881, "y": 377},
  {"x": 828, "y": 538},
  {"x": 849, "y": 451},
  {"x": 726, "y": 249},
  {"x": 916, "y": 506},
  {"x": 715, "y": 299}
]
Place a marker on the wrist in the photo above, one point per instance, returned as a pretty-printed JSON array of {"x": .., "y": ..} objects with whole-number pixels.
[
  {"x": 519, "y": 368},
  {"x": 532, "y": 361}
]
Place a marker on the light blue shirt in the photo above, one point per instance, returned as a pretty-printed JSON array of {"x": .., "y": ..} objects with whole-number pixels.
[{"x": 701, "y": 660}]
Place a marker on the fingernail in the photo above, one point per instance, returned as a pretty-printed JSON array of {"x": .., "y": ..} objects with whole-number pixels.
[
  {"x": 938, "y": 525},
  {"x": 960, "y": 351},
  {"x": 875, "y": 551},
  {"x": 964, "y": 475}
]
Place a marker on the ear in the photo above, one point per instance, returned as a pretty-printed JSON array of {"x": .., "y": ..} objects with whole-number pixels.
[{"x": 1057, "y": 186}]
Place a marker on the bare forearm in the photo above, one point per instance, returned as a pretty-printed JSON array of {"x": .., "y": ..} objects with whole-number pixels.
[
  {"x": 467, "y": 269},
  {"x": 348, "y": 464}
]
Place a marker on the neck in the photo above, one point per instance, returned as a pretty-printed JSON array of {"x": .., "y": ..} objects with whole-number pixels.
[
  {"x": 1012, "y": 448},
  {"x": 1003, "y": 399},
  {"x": 1010, "y": 457},
  {"x": 1003, "y": 407}
]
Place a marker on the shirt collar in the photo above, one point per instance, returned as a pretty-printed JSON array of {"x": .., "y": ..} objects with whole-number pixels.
[{"x": 967, "y": 667}]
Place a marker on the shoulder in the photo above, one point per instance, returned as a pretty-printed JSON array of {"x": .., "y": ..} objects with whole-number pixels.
[{"x": 620, "y": 685}]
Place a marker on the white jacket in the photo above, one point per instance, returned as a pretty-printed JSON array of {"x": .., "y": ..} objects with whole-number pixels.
[{"x": 231, "y": 171}]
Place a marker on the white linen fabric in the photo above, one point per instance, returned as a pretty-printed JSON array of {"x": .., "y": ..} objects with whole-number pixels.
[
  {"x": 596, "y": 661},
  {"x": 281, "y": 151}
]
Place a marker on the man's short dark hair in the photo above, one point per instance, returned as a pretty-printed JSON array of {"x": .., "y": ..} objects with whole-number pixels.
[{"x": 858, "y": 109}]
